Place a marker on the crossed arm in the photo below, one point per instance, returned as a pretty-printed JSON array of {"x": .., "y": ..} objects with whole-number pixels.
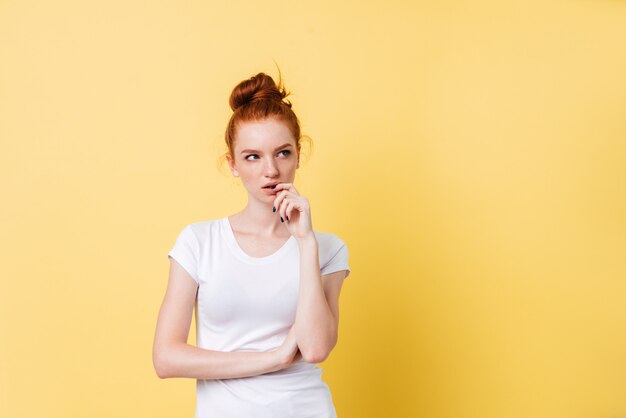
[
  {"x": 172, "y": 356},
  {"x": 316, "y": 328}
]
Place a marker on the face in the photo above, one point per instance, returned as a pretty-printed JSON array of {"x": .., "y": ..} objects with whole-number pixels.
[{"x": 264, "y": 152}]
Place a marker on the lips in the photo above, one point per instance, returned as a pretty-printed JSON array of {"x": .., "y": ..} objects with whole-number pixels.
[{"x": 270, "y": 186}]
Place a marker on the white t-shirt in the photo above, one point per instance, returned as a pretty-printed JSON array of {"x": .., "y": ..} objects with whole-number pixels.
[{"x": 247, "y": 303}]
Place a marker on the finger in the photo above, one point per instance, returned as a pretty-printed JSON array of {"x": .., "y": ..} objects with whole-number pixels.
[
  {"x": 291, "y": 203},
  {"x": 280, "y": 197},
  {"x": 288, "y": 210},
  {"x": 283, "y": 206},
  {"x": 287, "y": 186}
]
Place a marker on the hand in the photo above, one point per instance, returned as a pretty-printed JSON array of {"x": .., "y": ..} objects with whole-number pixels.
[
  {"x": 294, "y": 209},
  {"x": 288, "y": 353}
]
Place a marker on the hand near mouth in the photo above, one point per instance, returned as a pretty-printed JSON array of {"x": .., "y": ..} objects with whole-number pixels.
[{"x": 294, "y": 210}]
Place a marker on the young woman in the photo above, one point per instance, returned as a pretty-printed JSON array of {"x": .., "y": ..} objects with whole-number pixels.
[{"x": 265, "y": 285}]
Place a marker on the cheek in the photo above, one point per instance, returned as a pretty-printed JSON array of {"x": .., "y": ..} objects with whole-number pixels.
[{"x": 291, "y": 162}]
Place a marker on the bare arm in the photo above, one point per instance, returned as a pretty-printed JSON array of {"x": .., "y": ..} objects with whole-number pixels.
[
  {"x": 173, "y": 357},
  {"x": 317, "y": 315}
]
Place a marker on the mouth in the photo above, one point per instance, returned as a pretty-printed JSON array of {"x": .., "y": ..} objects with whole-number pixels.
[{"x": 270, "y": 186}]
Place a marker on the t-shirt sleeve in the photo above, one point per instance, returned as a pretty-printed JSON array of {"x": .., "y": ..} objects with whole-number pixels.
[
  {"x": 339, "y": 259},
  {"x": 186, "y": 252}
]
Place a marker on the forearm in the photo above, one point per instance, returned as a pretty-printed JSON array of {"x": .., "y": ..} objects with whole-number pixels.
[
  {"x": 315, "y": 325},
  {"x": 185, "y": 360}
]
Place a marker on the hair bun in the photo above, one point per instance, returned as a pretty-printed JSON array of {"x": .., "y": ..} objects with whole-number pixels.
[{"x": 258, "y": 87}]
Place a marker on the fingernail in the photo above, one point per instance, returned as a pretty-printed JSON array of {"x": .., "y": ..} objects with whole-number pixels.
[
  {"x": 273, "y": 187},
  {"x": 273, "y": 208},
  {"x": 281, "y": 219},
  {"x": 287, "y": 217}
]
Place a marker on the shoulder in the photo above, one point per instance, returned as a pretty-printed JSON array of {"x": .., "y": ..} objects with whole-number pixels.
[
  {"x": 327, "y": 240},
  {"x": 330, "y": 246},
  {"x": 204, "y": 227},
  {"x": 201, "y": 231},
  {"x": 333, "y": 253}
]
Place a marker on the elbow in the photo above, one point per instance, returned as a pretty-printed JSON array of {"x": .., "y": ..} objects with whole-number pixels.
[
  {"x": 316, "y": 355},
  {"x": 161, "y": 366},
  {"x": 161, "y": 372},
  {"x": 319, "y": 352}
]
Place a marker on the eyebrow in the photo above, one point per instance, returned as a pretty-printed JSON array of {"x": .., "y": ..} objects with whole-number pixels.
[{"x": 253, "y": 150}]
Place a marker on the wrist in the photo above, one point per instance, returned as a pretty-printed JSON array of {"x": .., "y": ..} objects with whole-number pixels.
[
  {"x": 275, "y": 360},
  {"x": 307, "y": 240}
]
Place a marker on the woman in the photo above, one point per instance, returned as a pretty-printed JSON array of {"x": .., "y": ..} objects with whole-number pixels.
[{"x": 264, "y": 284}]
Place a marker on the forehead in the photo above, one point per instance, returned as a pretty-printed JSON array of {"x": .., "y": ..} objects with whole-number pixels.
[{"x": 263, "y": 135}]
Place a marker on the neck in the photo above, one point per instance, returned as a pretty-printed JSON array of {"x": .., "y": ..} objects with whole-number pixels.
[{"x": 257, "y": 218}]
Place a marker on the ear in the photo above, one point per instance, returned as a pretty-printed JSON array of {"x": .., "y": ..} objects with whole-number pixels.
[{"x": 231, "y": 165}]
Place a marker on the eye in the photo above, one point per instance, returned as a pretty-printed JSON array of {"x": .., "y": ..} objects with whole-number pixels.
[{"x": 286, "y": 151}]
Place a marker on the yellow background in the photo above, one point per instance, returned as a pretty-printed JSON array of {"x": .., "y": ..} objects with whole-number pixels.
[{"x": 471, "y": 154}]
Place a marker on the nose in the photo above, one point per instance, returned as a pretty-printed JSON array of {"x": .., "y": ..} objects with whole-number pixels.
[{"x": 270, "y": 168}]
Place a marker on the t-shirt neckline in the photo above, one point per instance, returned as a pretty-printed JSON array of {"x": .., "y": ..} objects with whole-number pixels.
[{"x": 241, "y": 254}]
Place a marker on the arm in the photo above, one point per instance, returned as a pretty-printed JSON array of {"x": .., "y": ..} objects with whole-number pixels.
[
  {"x": 317, "y": 315},
  {"x": 173, "y": 357}
]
